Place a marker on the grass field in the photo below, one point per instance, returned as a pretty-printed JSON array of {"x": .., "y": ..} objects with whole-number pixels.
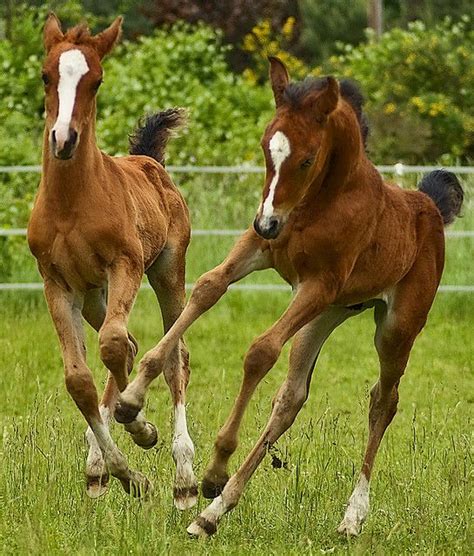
[{"x": 422, "y": 488}]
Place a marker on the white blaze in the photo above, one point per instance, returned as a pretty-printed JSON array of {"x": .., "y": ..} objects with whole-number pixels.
[
  {"x": 279, "y": 151},
  {"x": 72, "y": 66}
]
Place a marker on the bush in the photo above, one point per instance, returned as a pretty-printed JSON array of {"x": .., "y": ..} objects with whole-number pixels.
[
  {"x": 419, "y": 88},
  {"x": 183, "y": 66}
]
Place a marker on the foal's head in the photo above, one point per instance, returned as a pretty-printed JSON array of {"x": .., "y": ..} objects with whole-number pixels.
[
  {"x": 72, "y": 74},
  {"x": 299, "y": 140}
]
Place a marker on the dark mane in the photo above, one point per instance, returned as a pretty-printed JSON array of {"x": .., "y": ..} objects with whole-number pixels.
[{"x": 296, "y": 92}]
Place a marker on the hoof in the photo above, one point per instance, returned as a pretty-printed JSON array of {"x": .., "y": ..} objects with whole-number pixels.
[
  {"x": 185, "y": 497},
  {"x": 349, "y": 528},
  {"x": 97, "y": 486},
  {"x": 125, "y": 412},
  {"x": 148, "y": 438},
  {"x": 212, "y": 489},
  {"x": 201, "y": 528},
  {"x": 137, "y": 485}
]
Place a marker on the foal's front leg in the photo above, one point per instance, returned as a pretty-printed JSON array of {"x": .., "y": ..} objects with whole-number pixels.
[
  {"x": 116, "y": 350},
  {"x": 97, "y": 477},
  {"x": 65, "y": 311},
  {"x": 246, "y": 256}
]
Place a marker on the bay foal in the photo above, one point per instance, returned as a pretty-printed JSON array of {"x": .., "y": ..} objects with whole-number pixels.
[
  {"x": 346, "y": 241},
  {"x": 97, "y": 225}
]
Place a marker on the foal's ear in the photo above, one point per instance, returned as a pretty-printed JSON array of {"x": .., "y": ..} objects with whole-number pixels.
[
  {"x": 52, "y": 33},
  {"x": 105, "y": 41},
  {"x": 279, "y": 78},
  {"x": 326, "y": 101}
]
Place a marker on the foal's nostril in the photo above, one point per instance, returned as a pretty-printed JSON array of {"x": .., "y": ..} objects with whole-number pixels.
[
  {"x": 256, "y": 226},
  {"x": 53, "y": 137},
  {"x": 270, "y": 228},
  {"x": 273, "y": 224},
  {"x": 72, "y": 137}
]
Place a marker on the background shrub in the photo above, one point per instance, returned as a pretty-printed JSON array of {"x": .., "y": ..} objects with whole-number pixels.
[{"x": 419, "y": 85}]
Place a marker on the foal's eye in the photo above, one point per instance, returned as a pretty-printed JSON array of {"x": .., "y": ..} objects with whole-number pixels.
[
  {"x": 45, "y": 78},
  {"x": 307, "y": 163}
]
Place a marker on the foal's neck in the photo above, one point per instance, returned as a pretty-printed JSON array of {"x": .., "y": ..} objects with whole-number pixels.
[
  {"x": 346, "y": 166},
  {"x": 64, "y": 180}
]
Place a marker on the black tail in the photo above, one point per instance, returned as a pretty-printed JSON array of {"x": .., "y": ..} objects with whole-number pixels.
[
  {"x": 151, "y": 136},
  {"x": 446, "y": 191}
]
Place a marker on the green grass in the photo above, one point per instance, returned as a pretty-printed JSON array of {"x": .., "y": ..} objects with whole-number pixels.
[
  {"x": 421, "y": 494},
  {"x": 421, "y": 490}
]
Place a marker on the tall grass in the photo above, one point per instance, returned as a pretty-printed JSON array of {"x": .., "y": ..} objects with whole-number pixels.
[{"x": 421, "y": 491}]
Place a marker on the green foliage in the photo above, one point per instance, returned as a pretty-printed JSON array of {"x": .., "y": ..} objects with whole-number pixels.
[
  {"x": 183, "y": 66},
  {"x": 264, "y": 41},
  {"x": 398, "y": 13},
  {"x": 419, "y": 87}
]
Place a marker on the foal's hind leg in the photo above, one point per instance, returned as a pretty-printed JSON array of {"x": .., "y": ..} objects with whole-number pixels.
[
  {"x": 167, "y": 277},
  {"x": 397, "y": 326},
  {"x": 97, "y": 477},
  {"x": 286, "y": 404}
]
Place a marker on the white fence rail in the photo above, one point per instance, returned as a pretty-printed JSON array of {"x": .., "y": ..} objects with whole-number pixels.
[
  {"x": 6, "y": 232},
  {"x": 399, "y": 169},
  {"x": 35, "y": 286},
  {"x": 239, "y": 287}
]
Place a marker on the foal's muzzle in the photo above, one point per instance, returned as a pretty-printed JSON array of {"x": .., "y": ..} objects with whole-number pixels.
[
  {"x": 268, "y": 228},
  {"x": 64, "y": 148}
]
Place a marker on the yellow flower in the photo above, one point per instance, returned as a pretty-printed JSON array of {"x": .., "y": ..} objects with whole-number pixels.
[
  {"x": 390, "y": 108},
  {"x": 436, "y": 108},
  {"x": 317, "y": 71},
  {"x": 249, "y": 76},
  {"x": 288, "y": 27},
  {"x": 249, "y": 43},
  {"x": 418, "y": 103}
]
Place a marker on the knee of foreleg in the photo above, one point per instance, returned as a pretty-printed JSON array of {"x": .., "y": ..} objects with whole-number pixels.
[
  {"x": 208, "y": 289},
  {"x": 261, "y": 356},
  {"x": 114, "y": 346}
]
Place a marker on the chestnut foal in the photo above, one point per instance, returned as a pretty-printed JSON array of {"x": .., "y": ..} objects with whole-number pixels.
[
  {"x": 97, "y": 225},
  {"x": 346, "y": 241}
]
